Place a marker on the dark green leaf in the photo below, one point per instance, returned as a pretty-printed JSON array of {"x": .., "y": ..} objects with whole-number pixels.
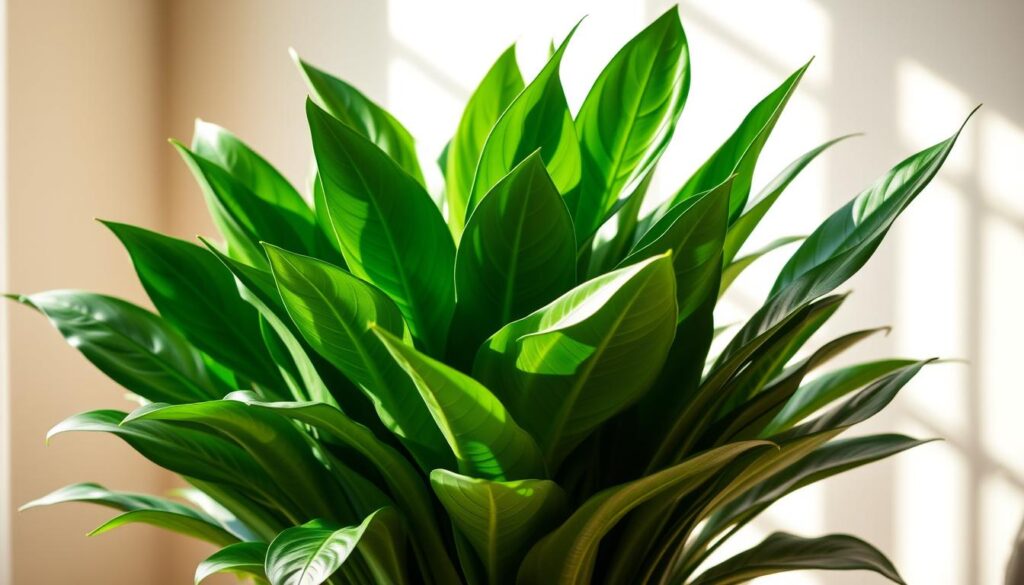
[{"x": 390, "y": 232}]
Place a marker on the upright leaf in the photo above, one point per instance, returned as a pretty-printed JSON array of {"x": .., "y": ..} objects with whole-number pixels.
[
  {"x": 196, "y": 294},
  {"x": 517, "y": 254},
  {"x": 738, "y": 155},
  {"x": 334, "y": 311},
  {"x": 500, "y": 519},
  {"x": 499, "y": 87},
  {"x": 538, "y": 118},
  {"x": 570, "y": 366},
  {"x": 137, "y": 349},
  {"x": 389, "y": 231},
  {"x": 629, "y": 116},
  {"x": 355, "y": 110},
  {"x": 486, "y": 441}
]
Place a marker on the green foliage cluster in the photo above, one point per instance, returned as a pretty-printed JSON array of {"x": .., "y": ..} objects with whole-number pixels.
[{"x": 514, "y": 385}]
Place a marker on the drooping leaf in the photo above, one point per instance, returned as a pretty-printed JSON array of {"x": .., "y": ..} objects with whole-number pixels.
[
  {"x": 486, "y": 441},
  {"x": 496, "y": 91},
  {"x": 568, "y": 367},
  {"x": 629, "y": 116},
  {"x": 137, "y": 349},
  {"x": 738, "y": 155},
  {"x": 311, "y": 553},
  {"x": 333, "y": 311},
  {"x": 499, "y": 518},
  {"x": 538, "y": 118},
  {"x": 827, "y": 388},
  {"x": 782, "y": 552},
  {"x": 389, "y": 231},
  {"x": 241, "y": 558},
  {"x": 567, "y": 555},
  {"x": 185, "y": 524},
  {"x": 355, "y": 110},
  {"x": 517, "y": 254},
  {"x": 403, "y": 482},
  {"x": 195, "y": 293},
  {"x": 273, "y": 441},
  {"x": 755, "y": 211},
  {"x": 94, "y": 493}
]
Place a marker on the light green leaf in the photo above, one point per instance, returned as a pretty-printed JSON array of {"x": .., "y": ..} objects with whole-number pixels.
[
  {"x": 355, "y": 110},
  {"x": 239, "y": 558},
  {"x": 575, "y": 363},
  {"x": 486, "y": 441},
  {"x": 538, "y": 118},
  {"x": 782, "y": 552},
  {"x": 137, "y": 349},
  {"x": 181, "y": 523},
  {"x": 518, "y": 253},
  {"x": 496, "y": 91},
  {"x": 499, "y": 518},
  {"x": 311, "y": 553},
  {"x": 629, "y": 116},
  {"x": 124, "y": 501},
  {"x": 389, "y": 231},
  {"x": 738, "y": 155},
  {"x": 334, "y": 310}
]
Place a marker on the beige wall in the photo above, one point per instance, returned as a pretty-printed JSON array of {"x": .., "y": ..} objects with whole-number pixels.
[{"x": 93, "y": 88}]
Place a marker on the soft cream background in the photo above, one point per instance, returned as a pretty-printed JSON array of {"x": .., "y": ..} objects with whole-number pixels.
[{"x": 93, "y": 88}]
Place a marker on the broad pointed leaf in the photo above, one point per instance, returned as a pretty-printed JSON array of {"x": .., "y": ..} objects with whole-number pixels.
[
  {"x": 629, "y": 116},
  {"x": 538, "y": 118},
  {"x": 486, "y": 441},
  {"x": 358, "y": 112},
  {"x": 333, "y": 311},
  {"x": 496, "y": 91},
  {"x": 241, "y": 558},
  {"x": 500, "y": 519},
  {"x": 389, "y": 231},
  {"x": 517, "y": 254},
  {"x": 575, "y": 363}
]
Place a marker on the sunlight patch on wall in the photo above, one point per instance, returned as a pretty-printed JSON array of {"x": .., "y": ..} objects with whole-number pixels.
[
  {"x": 1000, "y": 157},
  {"x": 931, "y": 487},
  {"x": 928, "y": 105},
  {"x": 932, "y": 273}
]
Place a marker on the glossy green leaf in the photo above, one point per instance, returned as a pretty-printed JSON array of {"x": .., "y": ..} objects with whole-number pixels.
[
  {"x": 629, "y": 116},
  {"x": 486, "y": 441},
  {"x": 567, "y": 555},
  {"x": 334, "y": 311},
  {"x": 738, "y": 155},
  {"x": 195, "y": 293},
  {"x": 517, "y": 254},
  {"x": 124, "y": 501},
  {"x": 499, "y": 518},
  {"x": 137, "y": 349},
  {"x": 355, "y": 110},
  {"x": 827, "y": 388},
  {"x": 311, "y": 553},
  {"x": 755, "y": 211},
  {"x": 538, "y": 118},
  {"x": 241, "y": 558},
  {"x": 496, "y": 91},
  {"x": 575, "y": 363},
  {"x": 273, "y": 441},
  {"x": 694, "y": 231},
  {"x": 732, "y": 270},
  {"x": 782, "y": 552},
  {"x": 244, "y": 218},
  {"x": 387, "y": 227},
  {"x": 181, "y": 523}
]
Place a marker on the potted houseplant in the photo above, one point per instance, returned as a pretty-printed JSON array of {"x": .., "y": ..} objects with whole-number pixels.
[{"x": 513, "y": 384}]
